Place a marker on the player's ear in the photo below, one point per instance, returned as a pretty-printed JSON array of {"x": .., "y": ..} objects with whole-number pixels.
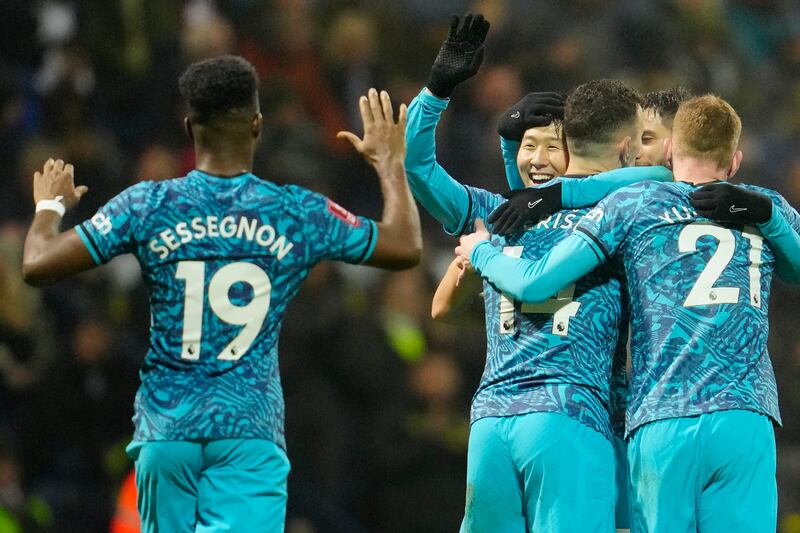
[
  {"x": 668, "y": 151},
  {"x": 735, "y": 163},
  {"x": 187, "y": 127},
  {"x": 625, "y": 152},
  {"x": 256, "y": 125}
]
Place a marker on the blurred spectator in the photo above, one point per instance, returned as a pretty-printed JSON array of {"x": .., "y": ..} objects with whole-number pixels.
[
  {"x": 354, "y": 66},
  {"x": 158, "y": 162},
  {"x": 19, "y": 512},
  {"x": 377, "y": 395},
  {"x": 84, "y": 407},
  {"x": 425, "y": 452}
]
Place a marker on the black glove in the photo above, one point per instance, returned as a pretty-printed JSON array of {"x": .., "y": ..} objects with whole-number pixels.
[
  {"x": 724, "y": 202},
  {"x": 534, "y": 110},
  {"x": 460, "y": 56},
  {"x": 525, "y": 206}
]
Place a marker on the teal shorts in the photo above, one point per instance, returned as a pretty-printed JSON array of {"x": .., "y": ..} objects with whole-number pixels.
[
  {"x": 538, "y": 472},
  {"x": 713, "y": 473},
  {"x": 211, "y": 486},
  {"x": 622, "y": 513}
]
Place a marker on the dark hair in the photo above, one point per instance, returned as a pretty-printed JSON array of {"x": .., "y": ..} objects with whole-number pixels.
[
  {"x": 666, "y": 102},
  {"x": 597, "y": 109},
  {"x": 218, "y": 85}
]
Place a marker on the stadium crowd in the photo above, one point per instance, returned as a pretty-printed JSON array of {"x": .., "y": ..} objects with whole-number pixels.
[{"x": 377, "y": 393}]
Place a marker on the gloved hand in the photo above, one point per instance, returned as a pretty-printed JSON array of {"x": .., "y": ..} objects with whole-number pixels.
[
  {"x": 534, "y": 110},
  {"x": 525, "y": 206},
  {"x": 724, "y": 202},
  {"x": 460, "y": 56}
]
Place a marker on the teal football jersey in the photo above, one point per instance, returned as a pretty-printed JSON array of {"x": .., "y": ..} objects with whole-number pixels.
[
  {"x": 554, "y": 356},
  {"x": 221, "y": 258},
  {"x": 699, "y": 296}
]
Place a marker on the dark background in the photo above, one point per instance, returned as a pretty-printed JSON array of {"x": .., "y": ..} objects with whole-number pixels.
[{"x": 377, "y": 394}]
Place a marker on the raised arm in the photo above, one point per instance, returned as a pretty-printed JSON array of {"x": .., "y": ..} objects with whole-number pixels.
[
  {"x": 459, "y": 58},
  {"x": 509, "y": 149},
  {"x": 49, "y": 254},
  {"x": 526, "y": 280},
  {"x": 443, "y": 197},
  {"x": 399, "y": 243}
]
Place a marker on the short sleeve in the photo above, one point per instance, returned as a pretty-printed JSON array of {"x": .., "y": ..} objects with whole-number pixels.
[
  {"x": 606, "y": 227},
  {"x": 481, "y": 204},
  {"x": 332, "y": 231},
  {"x": 111, "y": 231}
]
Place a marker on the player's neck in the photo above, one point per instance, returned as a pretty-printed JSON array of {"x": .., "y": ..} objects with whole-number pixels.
[
  {"x": 594, "y": 165},
  {"x": 695, "y": 171},
  {"x": 224, "y": 162}
]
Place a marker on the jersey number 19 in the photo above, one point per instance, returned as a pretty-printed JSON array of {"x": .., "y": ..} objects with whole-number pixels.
[{"x": 251, "y": 315}]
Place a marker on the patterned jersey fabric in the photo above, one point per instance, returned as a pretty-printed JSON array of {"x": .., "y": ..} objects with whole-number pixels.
[
  {"x": 699, "y": 299},
  {"x": 554, "y": 356},
  {"x": 221, "y": 258}
]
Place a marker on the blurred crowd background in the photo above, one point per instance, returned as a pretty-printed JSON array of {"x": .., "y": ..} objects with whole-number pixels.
[{"x": 377, "y": 394}]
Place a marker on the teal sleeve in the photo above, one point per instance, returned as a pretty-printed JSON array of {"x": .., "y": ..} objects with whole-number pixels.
[
  {"x": 588, "y": 191},
  {"x": 510, "y": 150},
  {"x": 785, "y": 243},
  {"x": 442, "y": 196},
  {"x": 535, "y": 281},
  {"x": 87, "y": 241}
]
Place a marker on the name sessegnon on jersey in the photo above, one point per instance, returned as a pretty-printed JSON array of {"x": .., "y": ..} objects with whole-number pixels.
[{"x": 221, "y": 258}]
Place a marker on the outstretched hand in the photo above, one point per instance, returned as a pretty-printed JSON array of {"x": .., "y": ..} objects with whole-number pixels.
[
  {"x": 384, "y": 139},
  {"x": 468, "y": 242},
  {"x": 460, "y": 56},
  {"x": 57, "y": 182}
]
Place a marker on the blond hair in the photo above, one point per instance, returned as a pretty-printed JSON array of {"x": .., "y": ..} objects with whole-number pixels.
[{"x": 706, "y": 128}]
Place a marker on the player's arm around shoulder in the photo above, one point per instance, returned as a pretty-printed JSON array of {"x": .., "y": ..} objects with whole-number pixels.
[
  {"x": 590, "y": 191},
  {"x": 50, "y": 255},
  {"x": 399, "y": 242},
  {"x": 778, "y": 222},
  {"x": 527, "y": 280},
  {"x": 457, "y": 298},
  {"x": 782, "y": 231}
]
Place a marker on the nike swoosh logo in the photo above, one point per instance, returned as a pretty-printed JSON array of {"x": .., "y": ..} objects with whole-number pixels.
[
  {"x": 531, "y": 205},
  {"x": 735, "y": 209},
  {"x": 516, "y": 115}
]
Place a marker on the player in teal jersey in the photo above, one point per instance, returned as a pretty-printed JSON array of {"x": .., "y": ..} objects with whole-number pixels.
[
  {"x": 659, "y": 112},
  {"x": 703, "y": 396},
  {"x": 543, "y": 403},
  {"x": 534, "y": 154},
  {"x": 222, "y": 253}
]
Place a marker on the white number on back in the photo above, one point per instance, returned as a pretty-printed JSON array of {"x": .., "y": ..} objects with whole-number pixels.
[
  {"x": 561, "y": 306},
  {"x": 251, "y": 315},
  {"x": 704, "y": 292}
]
